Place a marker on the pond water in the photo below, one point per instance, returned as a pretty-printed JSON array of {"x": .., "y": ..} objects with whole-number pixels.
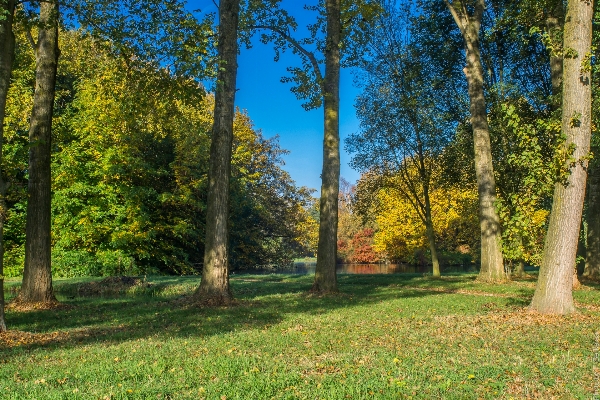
[{"x": 309, "y": 268}]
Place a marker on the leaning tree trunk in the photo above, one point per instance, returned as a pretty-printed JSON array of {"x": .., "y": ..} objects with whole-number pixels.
[
  {"x": 554, "y": 290},
  {"x": 7, "y": 52},
  {"x": 214, "y": 287},
  {"x": 492, "y": 266},
  {"x": 592, "y": 256},
  {"x": 37, "y": 276},
  {"x": 325, "y": 276}
]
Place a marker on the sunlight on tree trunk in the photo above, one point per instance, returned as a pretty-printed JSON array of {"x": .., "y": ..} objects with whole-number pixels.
[
  {"x": 214, "y": 287},
  {"x": 436, "y": 272},
  {"x": 325, "y": 275},
  {"x": 37, "y": 275},
  {"x": 7, "y": 51},
  {"x": 554, "y": 290},
  {"x": 492, "y": 267}
]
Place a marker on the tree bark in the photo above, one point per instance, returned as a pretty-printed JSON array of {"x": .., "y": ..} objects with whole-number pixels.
[
  {"x": 520, "y": 269},
  {"x": 592, "y": 256},
  {"x": 554, "y": 290},
  {"x": 37, "y": 275},
  {"x": 431, "y": 235},
  {"x": 555, "y": 21},
  {"x": 214, "y": 287},
  {"x": 7, "y": 55},
  {"x": 325, "y": 275},
  {"x": 492, "y": 266}
]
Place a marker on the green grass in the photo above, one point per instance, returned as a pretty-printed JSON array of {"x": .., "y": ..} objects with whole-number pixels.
[{"x": 382, "y": 337}]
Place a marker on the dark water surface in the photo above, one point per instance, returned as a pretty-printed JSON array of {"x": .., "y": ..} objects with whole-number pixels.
[{"x": 357, "y": 269}]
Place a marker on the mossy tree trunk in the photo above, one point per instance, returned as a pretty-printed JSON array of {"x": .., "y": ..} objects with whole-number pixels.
[
  {"x": 325, "y": 274},
  {"x": 554, "y": 290},
  {"x": 37, "y": 275},
  {"x": 492, "y": 267},
  {"x": 7, "y": 52},
  {"x": 214, "y": 287}
]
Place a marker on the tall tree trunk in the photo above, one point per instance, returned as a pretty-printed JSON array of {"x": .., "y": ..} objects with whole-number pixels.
[
  {"x": 592, "y": 256},
  {"x": 555, "y": 21},
  {"x": 325, "y": 275},
  {"x": 431, "y": 234},
  {"x": 7, "y": 55},
  {"x": 37, "y": 276},
  {"x": 492, "y": 266},
  {"x": 214, "y": 287},
  {"x": 554, "y": 290}
]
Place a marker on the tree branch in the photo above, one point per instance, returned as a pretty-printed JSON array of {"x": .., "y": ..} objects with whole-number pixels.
[
  {"x": 478, "y": 14},
  {"x": 31, "y": 40},
  {"x": 311, "y": 57},
  {"x": 459, "y": 21}
]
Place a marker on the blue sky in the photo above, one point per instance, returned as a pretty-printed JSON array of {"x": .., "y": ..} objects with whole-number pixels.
[{"x": 276, "y": 111}]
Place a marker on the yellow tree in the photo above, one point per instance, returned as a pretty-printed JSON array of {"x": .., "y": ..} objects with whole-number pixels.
[
  {"x": 402, "y": 231},
  {"x": 403, "y": 121}
]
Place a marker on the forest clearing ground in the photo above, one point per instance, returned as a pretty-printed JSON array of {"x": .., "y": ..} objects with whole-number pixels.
[{"x": 382, "y": 336}]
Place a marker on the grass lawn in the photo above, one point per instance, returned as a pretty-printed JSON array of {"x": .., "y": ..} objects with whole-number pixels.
[{"x": 382, "y": 337}]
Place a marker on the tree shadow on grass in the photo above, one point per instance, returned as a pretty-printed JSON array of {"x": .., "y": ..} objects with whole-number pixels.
[{"x": 262, "y": 302}]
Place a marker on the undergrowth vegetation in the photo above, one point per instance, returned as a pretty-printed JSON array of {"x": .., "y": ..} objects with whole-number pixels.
[{"x": 380, "y": 337}]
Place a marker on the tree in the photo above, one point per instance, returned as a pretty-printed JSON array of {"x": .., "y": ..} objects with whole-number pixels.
[
  {"x": 37, "y": 275},
  {"x": 402, "y": 234},
  {"x": 124, "y": 199},
  {"x": 130, "y": 164},
  {"x": 492, "y": 267},
  {"x": 592, "y": 259},
  {"x": 320, "y": 89},
  {"x": 553, "y": 293},
  {"x": 355, "y": 234},
  {"x": 161, "y": 32},
  {"x": 344, "y": 23},
  {"x": 7, "y": 49},
  {"x": 325, "y": 275},
  {"x": 214, "y": 287},
  {"x": 525, "y": 178},
  {"x": 403, "y": 111}
]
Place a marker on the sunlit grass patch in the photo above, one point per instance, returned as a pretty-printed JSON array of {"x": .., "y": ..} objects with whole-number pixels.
[{"x": 381, "y": 337}]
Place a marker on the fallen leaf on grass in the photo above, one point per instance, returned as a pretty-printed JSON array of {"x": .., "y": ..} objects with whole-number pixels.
[
  {"x": 11, "y": 338},
  {"x": 20, "y": 306}
]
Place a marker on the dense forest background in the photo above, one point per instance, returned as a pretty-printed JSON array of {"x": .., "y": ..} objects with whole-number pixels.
[
  {"x": 131, "y": 139},
  {"x": 129, "y": 170}
]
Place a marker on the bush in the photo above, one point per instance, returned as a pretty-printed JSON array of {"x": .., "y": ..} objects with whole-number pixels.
[{"x": 73, "y": 263}]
